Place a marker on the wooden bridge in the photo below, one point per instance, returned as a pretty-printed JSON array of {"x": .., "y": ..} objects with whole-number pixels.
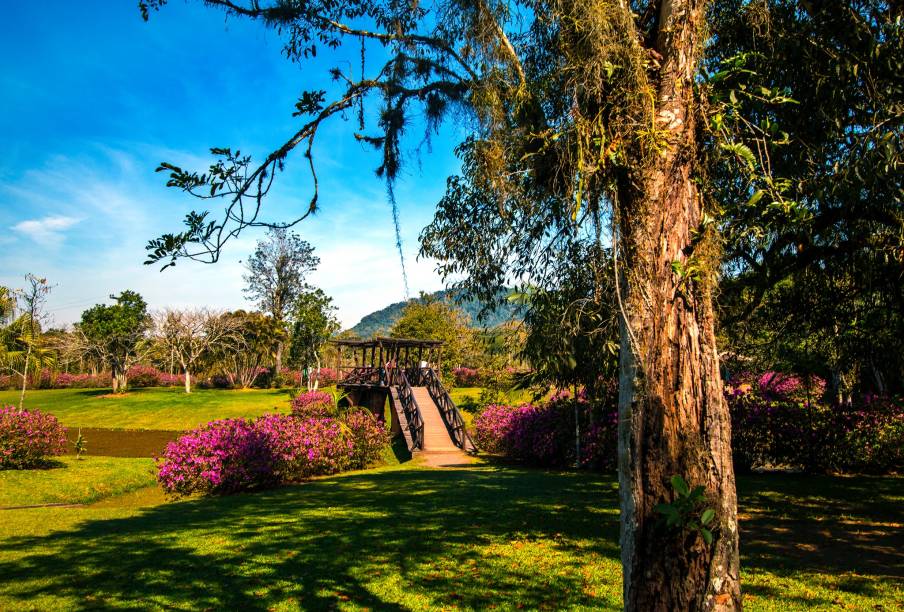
[{"x": 404, "y": 371}]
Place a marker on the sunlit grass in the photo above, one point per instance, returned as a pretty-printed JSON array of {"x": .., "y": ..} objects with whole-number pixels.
[
  {"x": 151, "y": 408},
  {"x": 406, "y": 538},
  {"x": 71, "y": 481}
]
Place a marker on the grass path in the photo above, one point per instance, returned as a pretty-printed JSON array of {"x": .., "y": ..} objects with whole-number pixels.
[
  {"x": 410, "y": 538},
  {"x": 152, "y": 408}
]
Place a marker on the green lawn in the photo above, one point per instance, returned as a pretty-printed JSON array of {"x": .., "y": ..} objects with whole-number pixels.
[
  {"x": 71, "y": 481},
  {"x": 407, "y": 538},
  {"x": 153, "y": 408}
]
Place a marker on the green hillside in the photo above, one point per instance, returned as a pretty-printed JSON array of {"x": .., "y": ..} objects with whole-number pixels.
[{"x": 380, "y": 321}]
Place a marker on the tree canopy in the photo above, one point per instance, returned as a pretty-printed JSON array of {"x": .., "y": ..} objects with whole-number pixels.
[{"x": 114, "y": 333}]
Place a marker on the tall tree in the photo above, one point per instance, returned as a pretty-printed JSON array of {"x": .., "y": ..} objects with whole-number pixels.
[
  {"x": 585, "y": 115},
  {"x": 314, "y": 322},
  {"x": 116, "y": 334},
  {"x": 25, "y": 350},
  {"x": 428, "y": 318},
  {"x": 814, "y": 280},
  {"x": 192, "y": 336},
  {"x": 250, "y": 346},
  {"x": 276, "y": 275}
]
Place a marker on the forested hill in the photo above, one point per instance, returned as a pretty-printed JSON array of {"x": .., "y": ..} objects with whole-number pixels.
[{"x": 380, "y": 321}]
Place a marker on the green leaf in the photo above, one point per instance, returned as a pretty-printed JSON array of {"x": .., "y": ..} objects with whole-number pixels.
[
  {"x": 667, "y": 510},
  {"x": 742, "y": 151},
  {"x": 679, "y": 484},
  {"x": 707, "y": 536},
  {"x": 756, "y": 197},
  {"x": 707, "y": 515}
]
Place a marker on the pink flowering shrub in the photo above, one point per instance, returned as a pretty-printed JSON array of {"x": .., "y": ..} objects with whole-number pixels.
[
  {"x": 149, "y": 376},
  {"x": 544, "y": 435},
  {"x": 221, "y": 457},
  {"x": 466, "y": 377},
  {"x": 313, "y": 404},
  {"x": 28, "y": 437},
  {"x": 815, "y": 436},
  {"x": 139, "y": 376},
  {"x": 65, "y": 380},
  {"x": 327, "y": 376},
  {"x": 237, "y": 454},
  {"x": 368, "y": 436},
  {"x": 304, "y": 447}
]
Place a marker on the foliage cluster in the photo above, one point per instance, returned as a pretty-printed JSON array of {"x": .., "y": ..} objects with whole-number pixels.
[
  {"x": 139, "y": 375},
  {"x": 312, "y": 404},
  {"x": 28, "y": 437}
]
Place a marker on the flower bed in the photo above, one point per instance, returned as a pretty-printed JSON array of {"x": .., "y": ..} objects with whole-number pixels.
[
  {"x": 28, "y": 437},
  {"x": 816, "y": 437}
]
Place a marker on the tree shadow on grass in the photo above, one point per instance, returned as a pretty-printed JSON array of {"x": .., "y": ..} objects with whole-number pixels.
[
  {"x": 420, "y": 539},
  {"x": 392, "y": 540},
  {"x": 826, "y": 524}
]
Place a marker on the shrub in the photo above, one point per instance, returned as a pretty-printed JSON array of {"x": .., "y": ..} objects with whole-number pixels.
[
  {"x": 544, "y": 435},
  {"x": 221, "y": 457},
  {"x": 144, "y": 376},
  {"x": 220, "y": 381},
  {"x": 28, "y": 437},
  {"x": 304, "y": 447},
  {"x": 64, "y": 380},
  {"x": 466, "y": 377},
  {"x": 767, "y": 432},
  {"x": 235, "y": 455},
  {"x": 313, "y": 404},
  {"x": 368, "y": 437}
]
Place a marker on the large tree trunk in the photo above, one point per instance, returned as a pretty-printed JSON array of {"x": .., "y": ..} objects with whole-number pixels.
[
  {"x": 187, "y": 381},
  {"x": 673, "y": 418}
]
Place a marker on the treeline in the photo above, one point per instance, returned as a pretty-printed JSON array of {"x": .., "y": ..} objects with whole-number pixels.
[{"x": 239, "y": 348}]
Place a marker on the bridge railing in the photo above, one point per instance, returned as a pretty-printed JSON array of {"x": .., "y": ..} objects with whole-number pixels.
[
  {"x": 409, "y": 407},
  {"x": 447, "y": 408}
]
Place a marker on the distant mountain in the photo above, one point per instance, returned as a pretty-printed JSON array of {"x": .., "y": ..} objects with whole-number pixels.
[{"x": 379, "y": 322}]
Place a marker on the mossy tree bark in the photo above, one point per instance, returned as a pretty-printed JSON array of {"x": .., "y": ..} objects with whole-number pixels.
[{"x": 673, "y": 418}]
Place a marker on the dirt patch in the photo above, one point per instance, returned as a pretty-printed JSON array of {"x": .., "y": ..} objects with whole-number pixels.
[
  {"x": 113, "y": 395},
  {"x": 121, "y": 442}
]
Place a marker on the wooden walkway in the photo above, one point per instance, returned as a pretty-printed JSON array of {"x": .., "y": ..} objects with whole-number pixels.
[{"x": 439, "y": 450}]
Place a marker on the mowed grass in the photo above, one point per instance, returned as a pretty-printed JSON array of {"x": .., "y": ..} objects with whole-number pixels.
[
  {"x": 151, "y": 408},
  {"x": 68, "y": 480},
  {"x": 410, "y": 538}
]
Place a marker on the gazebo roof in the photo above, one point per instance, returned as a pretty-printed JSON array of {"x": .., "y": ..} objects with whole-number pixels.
[{"x": 388, "y": 342}]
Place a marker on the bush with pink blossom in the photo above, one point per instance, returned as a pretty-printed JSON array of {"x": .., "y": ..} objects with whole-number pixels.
[
  {"x": 466, "y": 377},
  {"x": 313, "y": 404},
  {"x": 28, "y": 438},
  {"x": 368, "y": 436},
  {"x": 544, "y": 435},
  {"x": 237, "y": 454},
  {"x": 768, "y": 431}
]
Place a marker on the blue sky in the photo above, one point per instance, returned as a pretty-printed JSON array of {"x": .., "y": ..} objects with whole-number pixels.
[{"x": 94, "y": 99}]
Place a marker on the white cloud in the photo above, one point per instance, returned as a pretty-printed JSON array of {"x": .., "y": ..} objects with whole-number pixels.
[{"x": 47, "y": 231}]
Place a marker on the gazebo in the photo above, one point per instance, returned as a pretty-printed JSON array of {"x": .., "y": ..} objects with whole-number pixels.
[{"x": 365, "y": 369}]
